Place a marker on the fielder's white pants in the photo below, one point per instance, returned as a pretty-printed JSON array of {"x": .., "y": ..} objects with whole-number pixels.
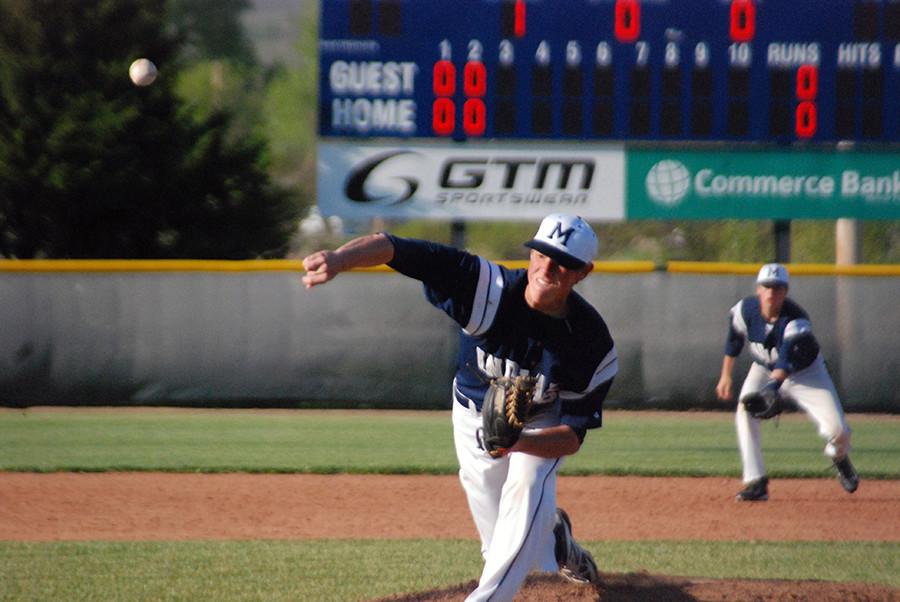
[
  {"x": 513, "y": 503},
  {"x": 814, "y": 392}
]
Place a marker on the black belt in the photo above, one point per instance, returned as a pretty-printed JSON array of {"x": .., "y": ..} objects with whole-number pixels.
[{"x": 465, "y": 401}]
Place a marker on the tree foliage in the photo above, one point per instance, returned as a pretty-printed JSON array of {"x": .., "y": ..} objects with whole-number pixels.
[
  {"x": 290, "y": 108},
  {"x": 212, "y": 29},
  {"x": 93, "y": 166}
]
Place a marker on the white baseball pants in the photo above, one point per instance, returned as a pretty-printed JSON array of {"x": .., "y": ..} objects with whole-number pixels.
[
  {"x": 513, "y": 503},
  {"x": 814, "y": 392}
]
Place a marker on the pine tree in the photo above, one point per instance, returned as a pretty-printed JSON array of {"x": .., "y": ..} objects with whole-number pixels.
[{"x": 93, "y": 166}]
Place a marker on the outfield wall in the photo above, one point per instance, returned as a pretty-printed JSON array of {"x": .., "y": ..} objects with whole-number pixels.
[{"x": 248, "y": 333}]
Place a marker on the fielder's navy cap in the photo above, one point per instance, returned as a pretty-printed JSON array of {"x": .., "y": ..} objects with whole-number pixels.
[{"x": 567, "y": 239}]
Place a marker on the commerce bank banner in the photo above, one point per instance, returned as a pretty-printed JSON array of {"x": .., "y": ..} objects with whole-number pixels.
[
  {"x": 471, "y": 182},
  {"x": 513, "y": 182},
  {"x": 763, "y": 184}
]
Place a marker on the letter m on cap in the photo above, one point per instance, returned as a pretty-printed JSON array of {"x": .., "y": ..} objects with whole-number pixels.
[{"x": 558, "y": 232}]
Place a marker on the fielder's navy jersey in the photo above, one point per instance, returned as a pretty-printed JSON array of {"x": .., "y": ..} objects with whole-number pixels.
[
  {"x": 574, "y": 357},
  {"x": 771, "y": 344}
]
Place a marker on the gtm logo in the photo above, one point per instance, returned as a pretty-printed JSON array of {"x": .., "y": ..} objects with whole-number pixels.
[{"x": 355, "y": 188}]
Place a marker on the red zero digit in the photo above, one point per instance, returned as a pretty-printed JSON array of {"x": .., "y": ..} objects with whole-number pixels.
[
  {"x": 743, "y": 21},
  {"x": 442, "y": 117},
  {"x": 806, "y": 122},
  {"x": 474, "y": 79},
  {"x": 627, "y": 26},
  {"x": 519, "y": 25},
  {"x": 444, "y": 78},
  {"x": 807, "y": 82},
  {"x": 473, "y": 117}
]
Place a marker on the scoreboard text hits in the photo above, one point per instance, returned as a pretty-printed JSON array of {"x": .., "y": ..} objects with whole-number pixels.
[{"x": 706, "y": 70}]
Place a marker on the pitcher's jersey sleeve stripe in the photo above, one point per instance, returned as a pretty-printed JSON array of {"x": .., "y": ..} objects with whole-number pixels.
[
  {"x": 605, "y": 371},
  {"x": 486, "y": 300}
]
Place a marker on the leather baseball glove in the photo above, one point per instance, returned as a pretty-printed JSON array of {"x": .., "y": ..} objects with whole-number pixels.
[
  {"x": 765, "y": 403},
  {"x": 504, "y": 412}
]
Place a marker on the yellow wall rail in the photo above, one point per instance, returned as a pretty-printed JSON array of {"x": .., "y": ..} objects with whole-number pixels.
[
  {"x": 296, "y": 265},
  {"x": 795, "y": 269},
  {"x": 251, "y": 265},
  {"x": 150, "y": 265}
]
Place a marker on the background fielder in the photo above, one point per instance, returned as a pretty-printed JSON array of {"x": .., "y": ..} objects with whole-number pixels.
[
  {"x": 513, "y": 322},
  {"x": 786, "y": 362}
]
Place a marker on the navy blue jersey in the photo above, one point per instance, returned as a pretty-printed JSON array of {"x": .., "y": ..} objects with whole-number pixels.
[
  {"x": 574, "y": 357},
  {"x": 785, "y": 344}
]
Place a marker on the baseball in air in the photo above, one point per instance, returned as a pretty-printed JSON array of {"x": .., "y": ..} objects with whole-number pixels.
[{"x": 142, "y": 72}]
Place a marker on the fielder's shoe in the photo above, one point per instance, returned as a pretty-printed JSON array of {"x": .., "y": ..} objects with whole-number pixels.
[
  {"x": 755, "y": 491},
  {"x": 575, "y": 563},
  {"x": 847, "y": 475}
]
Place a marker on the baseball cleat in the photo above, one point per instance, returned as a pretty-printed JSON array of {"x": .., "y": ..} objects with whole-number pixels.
[
  {"x": 755, "y": 491},
  {"x": 847, "y": 475},
  {"x": 575, "y": 563}
]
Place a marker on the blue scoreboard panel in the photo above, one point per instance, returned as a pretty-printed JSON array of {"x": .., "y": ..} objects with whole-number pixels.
[{"x": 772, "y": 71}]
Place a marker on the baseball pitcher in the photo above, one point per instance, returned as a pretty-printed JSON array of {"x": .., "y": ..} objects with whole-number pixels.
[
  {"x": 787, "y": 364},
  {"x": 536, "y": 361}
]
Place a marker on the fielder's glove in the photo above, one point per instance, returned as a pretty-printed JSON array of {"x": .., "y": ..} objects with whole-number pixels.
[
  {"x": 766, "y": 403},
  {"x": 504, "y": 412}
]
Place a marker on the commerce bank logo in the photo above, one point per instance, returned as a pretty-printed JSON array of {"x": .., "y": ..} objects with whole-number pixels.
[{"x": 668, "y": 182}]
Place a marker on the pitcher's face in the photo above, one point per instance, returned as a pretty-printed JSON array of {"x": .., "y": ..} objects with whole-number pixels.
[{"x": 549, "y": 283}]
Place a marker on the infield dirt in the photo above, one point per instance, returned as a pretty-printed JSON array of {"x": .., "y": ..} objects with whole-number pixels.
[{"x": 167, "y": 506}]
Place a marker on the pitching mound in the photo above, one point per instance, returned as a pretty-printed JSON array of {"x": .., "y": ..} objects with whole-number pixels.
[
  {"x": 632, "y": 587},
  {"x": 537, "y": 588}
]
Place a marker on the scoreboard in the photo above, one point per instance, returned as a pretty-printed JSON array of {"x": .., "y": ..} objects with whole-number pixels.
[
  {"x": 612, "y": 109},
  {"x": 754, "y": 71}
]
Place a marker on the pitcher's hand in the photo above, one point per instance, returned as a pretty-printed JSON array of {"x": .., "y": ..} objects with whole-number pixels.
[{"x": 320, "y": 267}]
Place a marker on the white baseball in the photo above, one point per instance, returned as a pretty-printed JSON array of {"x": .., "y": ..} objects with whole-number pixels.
[{"x": 142, "y": 72}]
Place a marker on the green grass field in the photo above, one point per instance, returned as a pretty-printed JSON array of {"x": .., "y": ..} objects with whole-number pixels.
[
  {"x": 338, "y": 571},
  {"x": 664, "y": 444},
  {"x": 651, "y": 444}
]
